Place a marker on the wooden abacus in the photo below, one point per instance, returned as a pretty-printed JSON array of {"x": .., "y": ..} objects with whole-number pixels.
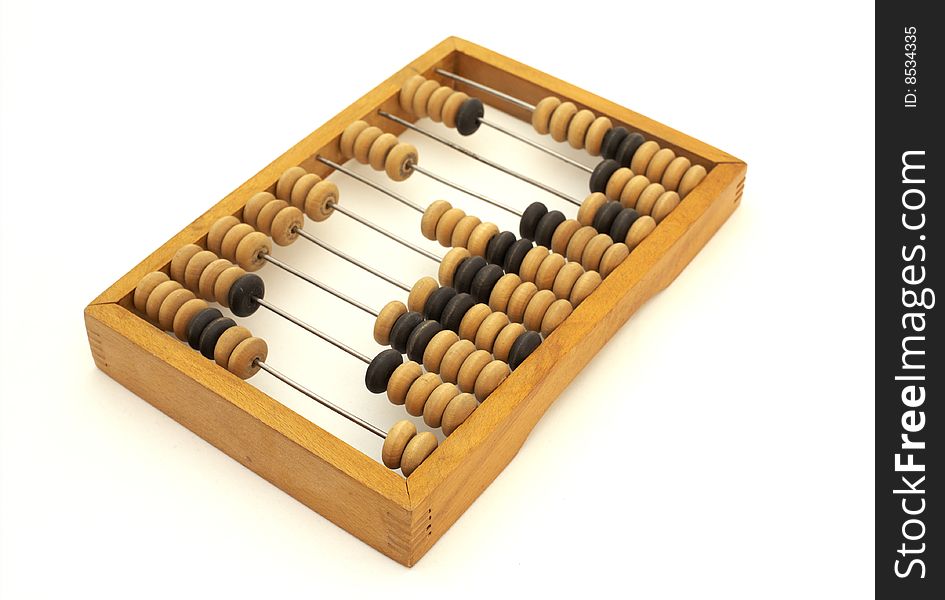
[{"x": 526, "y": 320}]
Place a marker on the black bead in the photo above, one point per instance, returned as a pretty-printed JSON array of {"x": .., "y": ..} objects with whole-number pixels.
[
  {"x": 516, "y": 254},
  {"x": 211, "y": 334},
  {"x": 466, "y": 272},
  {"x": 612, "y": 140},
  {"x": 456, "y": 309},
  {"x": 602, "y": 173},
  {"x": 468, "y": 115},
  {"x": 421, "y": 336},
  {"x": 485, "y": 280},
  {"x": 546, "y": 228},
  {"x": 622, "y": 223},
  {"x": 522, "y": 347},
  {"x": 403, "y": 327},
  {"x": 243, "y": 294},
  {"x": 381, "y": 368},
  {"x": 605, "y": 216},
  {"x": 436, "y": 302},
  {"x": 628, "y": 147},
  {"x": 198, "y": 323},
  {"x": 530, "y": 219},
  {"x": 499, "y": 246}
]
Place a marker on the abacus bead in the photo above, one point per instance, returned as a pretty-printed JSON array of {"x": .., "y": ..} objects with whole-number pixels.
[
  {"x": 221, "y": 288},
  {"x": 628, "y": 147},
  {"x": 195, "y": 267},
  {"x": 436, "y": 102},
  {"x": 601, "y": 174},
  {"x": 541, "y": 116},
  {"x": 472, "y": 320},
  {"x": 198, "y": 323},
  {"x": 498, "y": 247},
  {"x": 612, "y": 141},
  {"x": 516, "y": 254},
  {"x": 287, "y": 182},
  {"x": 505, "y": 339},
  {"x": 463, "y": 230},
  {"x": 547, "y": 227},
  {"x": 185, "y": 315},
  {"x": 560, "y": 119},
  {"x": 648, "y": 198},
  {"x": 232, "y": 240},
  {"x": 250, "y": 250},
  {"x": 446, "y": 224},
  {"x": 530, "y": 217},
  {"x": 612, "y": 258},
  {"x": 158, "y": 296},
  {"x": 380, "y": 369},
  {"x": 419, "y": 393},
  {"x": 484, "y": 282},
  {"x": 321, "y": 200},
  {"x": 446, "y": 272},
  {"x": 489, "y": 330},
  {"x": 578, "y": 242},
  {"x": 491, "y": 376},
  {"x": 362, "y": 145},
  {"x": 146, "y": 286},
  {"x": 179, "y": 262},
  {"x": 548, "y": 271},
  {"x": 243, "y": 294},
  {"x": 577, "y": 128},
  {"x": 562, "y": 235},
  {"x": 217, "y": 231},
  {"x": 658, "y": 164},
  {"x": 437, "y": 402},
  {"x": 431, "y": 216},
  {"x": 301, "y": 189},
  {"x": 479, "y": 238},
  {"x": 419, "y": 293},
  {"x": 468, "y": 115},
  {"x": 519, "y": 301},
  {"x": 403, "y": 327},
  {"x": 457, "y": 411},
  {"x": 455, "y": 310},
  {"x": 640, "y": 229},
  {"x": 395, "y": 443},
  {"x": 631, "y": 192},
  {"x": 691, "y": 179},
  {"x": 250, "y": 212},
  {"x": 594, "y": 251},
  {"x": 583, "y": 287},
  {"x": 211, "y": 334},
  {"x": 401, "y": 380},
  {"x": 472, "y": 366},
  {"x": 245, "y": 358},
  {"x": 286, "y": 225},
  {"x": 385, "y": 321},
  {"x": 503, "y": 290},
  {"x": 604, "y": 219},
  {"x": 420, "y": 98},
  {"x": 523, "y": 347},
  {"x": 555, "y": 315},
  {"x": 531, "y": 262},
  {"x": 537, "y": 306},
  {"x": 595, "y": 135},
  {"x": 437, "y": 301},
  {"x": 466, "y": 273},
  {"x": 617, "y": 182},
  {"x": 564, "y": 281},
  {"x": 418, "y": 449},
  {"x": 208, "y": 278},
  {"x": 171, "y": 305},
  {"x": 454, "y": 358},
  {"x": 377, "y": 155},
  {"x": 622, "y": 223},
  {"x": 408, "y": 91},
  {"x": 230, "y": 339},
  {"x": 643, "y": 155},
  {"x": 420, "y": 338},
  {"x": 664, "y": 205},
  {"x": 451, "y": 108},
  {"x": 436, "y": 349},
  {"x": 589, "y": 207},
  {"x": 674, "y": 173},
  {"x": 267, "y": 214},
  {"x": 400, "y": 159}
]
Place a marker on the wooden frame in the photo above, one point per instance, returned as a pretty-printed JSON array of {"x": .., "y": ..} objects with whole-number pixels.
[{"x": 400, "y": 517}]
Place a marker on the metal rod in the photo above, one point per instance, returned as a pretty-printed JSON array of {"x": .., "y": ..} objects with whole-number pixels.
[
  {"x": 489, "y": 90},
  {"x": 456, "y": 186},
  {"x": 319, "y": 285},
  {"x": 332, "y": 407},
  {"x": 351, "y": 259},
  {"x": 368, "y": 182},
  {"x": 480, "y": 158},
  {"x": 534, "y": 144},
  {"x": 336, "y": 343},
  {"x": 384, "y": 232}
]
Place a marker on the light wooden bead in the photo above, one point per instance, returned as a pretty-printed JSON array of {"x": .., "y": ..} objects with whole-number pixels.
[
  {"x": 479, "y": 238},
  {"x": 221, "y": 289},
  {"x": 362, "y": 145},
  {"x": 232, "y": 240},
  {"x": 519, "y": 301},
  {"x": 250, "y": 212},
  {"x": 578, "y": 242},
  {"x": 594, "y": 251},
  {"x": 648, "y": 198},
  {"x": 472, "y": 320},
  {"x": 401, "y": 380},
  {"x": 505, "y": 339},
  {"x": 157, "y": 297},
  {"x": 377, "y": 155},
  {"x": 491, "y": 376},
  {"x": 548, "y": 271},
  {"x": 208, "y": 279},
  {"x": 436, "y": 349},
  {"x": 421, "y": 290},
  {"x": 658, "y": 164},
  {"x": 583, "y": 287},
  {"x": 463, "y": 230},
  {"x": 321, "y": 200},
  {"x": 641, "y": 228},
  {"x": 560, "y": 120},
  {"x": 564, "y": 282},
  {"x": 385, "y": 321},
  {"x": 489, "y": 330},
  {"x": 409, "y": 89},
  {"x": 301, "y": 189},
  {"x": 617, "y": 182},
  {"x": 450, "y": 263},
  {"x": 396, "y": 442},
  {"x": 230, "y": 339},
  {"x": 195, "y": 266},
  {"x": 503, "y": 290},
  {"x": 180, "y": 259},
  {"x": 243, "y": 359},
  {"x": 674, "y": 172},
  {"x": 431, "y": 216},
  {"x": 541, "y": 116},
  {"x": 643, "y": 155},
  {"x": 446, "y": 225},
  {"x": 559, "y": 310},
  {"x": 418, "y": 450},
  {"x": 184, "y": 315},
  {"x": 537, "y": 306},
  {"x": 472, "y": 366},
  {"x": 146, "y": 286},
  {"x": 436, "y": 102},
  {"x": 631, "y": 192},
  {"x": 454, "y": 358},
  {"x": 217, "y": 231},
  {"x": 451, "y": 108},
  {"x": 589, "y": 208},
  {"x": 422, "y": 97},
  {"x": 437, "y": 402},
  {"x": 562, "y": 235},
  {"x": 287, "y": 182},
  {"x": 349, "y": 135},
  {"x": 249, "y": 252},
  {"x": 691, "y": 179},
  {"x": 529, "y": 268},
  {"x": 457, "y": 411},
  {"x": 664, "y": 205},
  {"x": 171, "y": 305},
  {"x": 286, "y": 225},
  {"x": 577, "y": 128},
  {"x": 419, "y": 393},
  {"x": 612, "y": 258},
  {"x": 595, "y": 135},
  {"x": 400, "y": 160}
]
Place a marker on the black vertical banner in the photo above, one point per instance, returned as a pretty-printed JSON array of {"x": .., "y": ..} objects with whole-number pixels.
[{"x": 910, "y": 369}]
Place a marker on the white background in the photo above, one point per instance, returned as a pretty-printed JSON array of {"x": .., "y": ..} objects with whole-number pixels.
[{"x": 719, "y": 446}]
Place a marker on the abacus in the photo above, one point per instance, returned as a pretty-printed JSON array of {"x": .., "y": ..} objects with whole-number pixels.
[{"x": 490, "y": 342}]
